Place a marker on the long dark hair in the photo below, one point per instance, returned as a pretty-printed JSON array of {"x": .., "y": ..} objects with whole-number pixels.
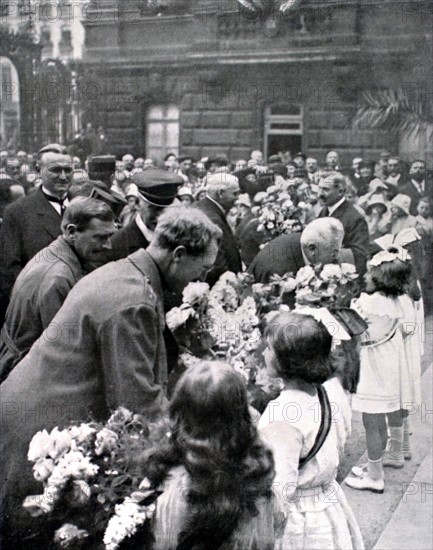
[{"x": 214, "y": 438}]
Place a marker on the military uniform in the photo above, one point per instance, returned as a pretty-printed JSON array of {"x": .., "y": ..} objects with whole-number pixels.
[{"x": 104, "y": 348}]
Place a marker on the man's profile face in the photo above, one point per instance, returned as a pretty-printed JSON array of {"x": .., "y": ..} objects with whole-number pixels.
[
  {"x": 192, "y": 268},
  {"x": 322, "y": 251},
  {"x": 229, "y": 196},
  {"x": 150, "y": 214},
  {"x": 330, "y": 192},
  {"x": 92, "y": 243},
  {"x": 56, "y": 172}
]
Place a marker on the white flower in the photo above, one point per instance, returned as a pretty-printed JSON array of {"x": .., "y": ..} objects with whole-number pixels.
[
  {"x": 36, "y": 505},
  {"x": 42, "y": 469},
  {"x": 81, "y": 433},
  {"x": 194, "y": 292},
  {"x": 106, "y": 441},
  {"x": 128, "y": 517},
  {"x": 40, "y": 446},
  {"x": 305, "y": 275},
  {"x": 68, "y": 535},
  {"x": 331, "y": 272},
  {"x": 289, "y": 284},
  {"x": 61, "y": 442},
  {"x": 349, "y": 271},
  {"x": 178, "y": 316}
]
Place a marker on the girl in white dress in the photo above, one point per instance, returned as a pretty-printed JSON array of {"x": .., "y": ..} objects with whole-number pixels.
[
  {"x": 301, "y": 429},
  {"x": 389, "y": 382}
]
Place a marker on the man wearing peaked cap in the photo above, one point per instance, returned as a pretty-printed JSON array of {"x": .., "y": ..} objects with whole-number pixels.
[{"x": 157, "y": 189}]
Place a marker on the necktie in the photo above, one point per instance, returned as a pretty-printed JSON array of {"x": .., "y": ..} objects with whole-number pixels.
[
  {"x": 58, "y": 201},
  {"x": 324, "y": 212}
]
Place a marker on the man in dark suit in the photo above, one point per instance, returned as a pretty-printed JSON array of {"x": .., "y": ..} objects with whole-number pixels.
[
  {"x": 157, "y": 190},
  {"x": 222, "y": 193},
  {"x": 33, "y": 222},
  {"x": 320, "y": 242},
  {"x": 417, "y": 186},
  {"x": 356, "y": 238}
]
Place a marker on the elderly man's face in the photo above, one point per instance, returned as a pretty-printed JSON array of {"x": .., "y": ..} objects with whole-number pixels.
[
  {"x": 228, "y": 196},
  {"x": 330, "y": 192},
  {"x": 92, "y": 243},
  {"x": 56, "y": 172},
  {"x": 322, "y": 251},
  {"x": 332, "y": 159}
]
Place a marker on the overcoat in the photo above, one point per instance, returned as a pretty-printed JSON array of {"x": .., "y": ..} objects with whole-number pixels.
[
  {"x": 228, "y": 258},
  {"x": 127, "y": 240},
  {"x": 356, "y": 236},
  {"x": 29, "y": 225},
  {"x": 107, "y": 350},
  {"x": 38, "y": 294}
]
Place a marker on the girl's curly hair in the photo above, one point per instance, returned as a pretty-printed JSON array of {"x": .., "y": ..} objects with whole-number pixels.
[{"x": 214, "y": 438}]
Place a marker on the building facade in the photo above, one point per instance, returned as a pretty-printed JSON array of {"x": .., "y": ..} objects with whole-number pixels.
[
  {"x": 206, "y": 76},
  {"x": 57, "y": 29}
]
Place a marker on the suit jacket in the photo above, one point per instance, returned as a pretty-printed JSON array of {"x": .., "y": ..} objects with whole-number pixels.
[
  {"x": 38, "y": 294},
  {"x": 108, "y": 351},
  {"x": 126, "y": 241},
  {"x": 356, "y": 236},
  {"x": 228, "y": 258},
  {"x": 411, "y": 191},
  {"x": 279, "y": 256},
  {"x": 29, "y": 225}
]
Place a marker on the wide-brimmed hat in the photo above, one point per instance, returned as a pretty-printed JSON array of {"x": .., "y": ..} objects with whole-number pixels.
[
  {"x": 376, "y": 200},
  {"x": 376, "y": 184},
  {"x": 244, "y": 199},
  {"x": 402, "y": 202},
  {"x": 157, "y": 187},
  {"x": 184, "y": 191}
]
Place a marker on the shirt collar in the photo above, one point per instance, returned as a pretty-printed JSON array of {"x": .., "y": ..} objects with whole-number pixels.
[
  {"x": 147, "y": 233},
  {"x": 334, "y": 207},
  {"x": 46, "y": 192},
  {"x": 419, "y": 185}
]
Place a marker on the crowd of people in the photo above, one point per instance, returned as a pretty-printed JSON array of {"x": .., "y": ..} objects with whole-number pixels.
[{"x": 92, "y": 257}]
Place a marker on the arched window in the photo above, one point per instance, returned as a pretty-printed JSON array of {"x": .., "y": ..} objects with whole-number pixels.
[
  {"x": 283, "y": 129},
  {"x": 162, "y": 131}
]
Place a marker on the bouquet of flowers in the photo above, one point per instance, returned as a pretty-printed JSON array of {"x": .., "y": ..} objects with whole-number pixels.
[
  {"x": 276, "y": 212},
  {"x": 222, "y": 323},
  {"x": 329, "y": 286},
  {"x": 91, "y": 484}
]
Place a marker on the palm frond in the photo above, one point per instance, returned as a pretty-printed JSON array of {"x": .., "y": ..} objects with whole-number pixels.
[
  {"x": 290, "y": 5},
  {"x": 395, "y": 110}
]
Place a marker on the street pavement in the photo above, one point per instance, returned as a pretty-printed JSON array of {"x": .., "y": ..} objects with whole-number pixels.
[{"x": 402, "y": 517}]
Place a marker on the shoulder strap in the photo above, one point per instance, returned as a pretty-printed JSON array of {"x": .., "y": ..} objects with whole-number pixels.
[{"x": 325, "y": 426}]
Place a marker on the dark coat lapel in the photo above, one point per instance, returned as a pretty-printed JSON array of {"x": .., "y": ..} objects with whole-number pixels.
[{"x": 47, "y": 215}]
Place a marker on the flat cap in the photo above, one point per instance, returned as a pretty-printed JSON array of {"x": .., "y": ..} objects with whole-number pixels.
[{"x": 157, "y": 187}]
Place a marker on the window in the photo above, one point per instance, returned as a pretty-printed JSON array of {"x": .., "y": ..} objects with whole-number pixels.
[
  {"x": 45, "y": 39},
  {"x": 162, "y": 131},
  {"x": 283, "y": 129}
]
